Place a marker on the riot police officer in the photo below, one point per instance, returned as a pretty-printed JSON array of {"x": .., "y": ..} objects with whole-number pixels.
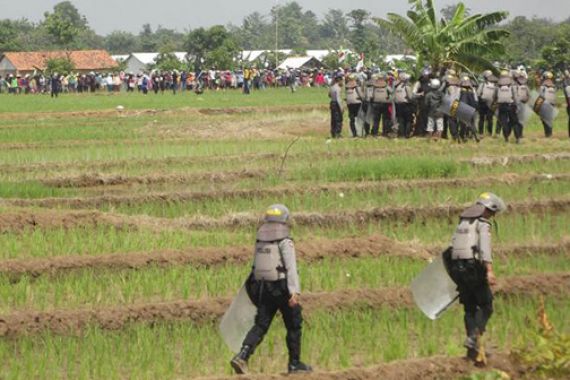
[
  {"x": 403, "y": 99},
  {"x": 336, "y": 107},
  {"x": 505, "y": 97},
  {"x": 548, "y": 92},
  {"x": 486, "y": 95},
  {"x": 354, "y": 97},
  {"x": 567, "y": 96},
  {"x": 380, "y": 99},
  {"x": 274, "y": 285},
  {"x": 471, "y": 267}
]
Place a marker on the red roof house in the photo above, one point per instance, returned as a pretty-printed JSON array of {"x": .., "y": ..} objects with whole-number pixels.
[{"x": 27, "y": 62}]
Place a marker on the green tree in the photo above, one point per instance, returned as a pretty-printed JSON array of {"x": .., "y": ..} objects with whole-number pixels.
[
  {"x": 556, "y": 56},
  {"x": 167, "y": 60},
  {"x": 119, "y": 42},
  {"x": 359, "y": 18},
  {"x": 335, "y": 30},
  {"x": 448, "y": 11},
  {"x": 64, "y": 24},
  {"x": 527, "y": 38},
  {"x": 465, "y": 42},
  {"x": 59, "y": 65},
  {"x": 9, "y": 36},
  {"x": 290, "y": 23},
  {"x": 212, "y": 47}
]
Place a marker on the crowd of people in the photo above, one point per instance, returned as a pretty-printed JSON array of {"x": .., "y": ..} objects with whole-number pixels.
[
  {"x": 444, "y": 104},
  {"x": 157, "y": 81}
]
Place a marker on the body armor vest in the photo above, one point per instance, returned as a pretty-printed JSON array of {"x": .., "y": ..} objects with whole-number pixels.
[
  {"x": 505, "y": 95},
  {"x": 465, "y": 242},
  {"x": 401, "y": 94},
  {"x": 550, "y": 94},
  {"x": 380, "y": 95},
  {"x": 488, "y": 92},
  {"x": 353, "y": 95},
  {"x": 523, "y": 93},
  {"x": 454, "y": 92},
  {"x": 268, "y": 263}
]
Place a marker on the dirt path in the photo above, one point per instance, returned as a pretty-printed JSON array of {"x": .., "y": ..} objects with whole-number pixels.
[
  {"x": 110, "y": 113},
  {"x": 168, "y": 197},
  {"x": 430, "y": 368},
  {"x": 25, "y": 220},
  {"x": 209, "y": 310},
  {"x": 307, "y": 251}
]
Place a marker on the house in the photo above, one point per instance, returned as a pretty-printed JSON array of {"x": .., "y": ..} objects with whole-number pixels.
[
  {"x": 305, "y": 62},
  {"x": 140, "y": 62},
  {"x": 120, "y": 57},
  {"x": 84, "y": 61}
]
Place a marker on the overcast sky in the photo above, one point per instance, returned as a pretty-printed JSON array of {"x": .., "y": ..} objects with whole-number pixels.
[{"x": 107, "y": 15}]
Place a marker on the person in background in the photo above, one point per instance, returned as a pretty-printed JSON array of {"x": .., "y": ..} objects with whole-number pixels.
[{"x": 336, "y": 107}]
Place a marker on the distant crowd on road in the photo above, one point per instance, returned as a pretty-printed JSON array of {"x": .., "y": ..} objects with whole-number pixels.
[
  {"x": 157, "y": 81},
  {"x": 445, "y": 104}
]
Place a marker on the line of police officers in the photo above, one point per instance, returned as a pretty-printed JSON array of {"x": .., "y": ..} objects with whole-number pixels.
[{"x": 403, "y": 111}]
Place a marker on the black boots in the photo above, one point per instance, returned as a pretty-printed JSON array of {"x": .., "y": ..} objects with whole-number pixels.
[
  {"x": 298, "y": 366},
  {"x": 239, "y": 362}
]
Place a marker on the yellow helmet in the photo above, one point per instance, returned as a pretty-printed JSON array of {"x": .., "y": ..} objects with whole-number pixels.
[{"x": 548, "y": 75}]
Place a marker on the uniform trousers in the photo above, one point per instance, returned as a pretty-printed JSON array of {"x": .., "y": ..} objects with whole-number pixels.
[
  {"x": 270, "y": 297},
  {"x": 474, "y": 293}
]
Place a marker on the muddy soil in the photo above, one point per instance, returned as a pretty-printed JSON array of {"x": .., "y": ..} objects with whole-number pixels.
[
  {"x": 181, "y": 111},
  {"x": 508, "y": 160},
  {"x": 171, "y": 197},
  {"x": 210, "y": 310},
  {"x": 26, "y": 220},
  {"x": 431, "y": 368}
]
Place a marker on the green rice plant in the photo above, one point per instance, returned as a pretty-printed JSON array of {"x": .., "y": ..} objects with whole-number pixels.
[{"x": 331, "y": 341}]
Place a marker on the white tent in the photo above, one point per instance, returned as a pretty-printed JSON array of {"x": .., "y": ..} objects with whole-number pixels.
[
  {"x": 120, "y": 57},
  {"x": 138, "y": 62},
  {"x": 390, "y": 59},
  {"x": 300, "y": 62},
  {"x": 252, "y": 55}
]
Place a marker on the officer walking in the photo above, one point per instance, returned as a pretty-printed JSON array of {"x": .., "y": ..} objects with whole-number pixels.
[
  {"x": 274, "y": 285},
  {"x": 336, "y": 107},
  {"x": 523, "y": 96},
  {"x": 354, "y": 97},
  {"x": 471, "y": 269},
  {"x": 403, "y": 99}
]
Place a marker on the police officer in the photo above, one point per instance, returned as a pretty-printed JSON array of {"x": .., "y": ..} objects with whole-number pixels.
[
  {"x": 548, "y": 92},
  {"x": 471, "y": 267},
  {"x": 336, "y": 107},
  {"x": 522, "y": 98},
  {"x": 274, "y": 285},
  {"x": 354, "y": 97},
  {"x": 567, "y": 95},
  {"x": 486, "y": 94},
  {"x": 469, "y": 97},
  {"x": 453, "y": 91},
  {"x": 505, "y": 96},
  {"x": 403, "y": 99},
  {"x": 379, "y": 102},
  {"x": 420, "y": 90}
]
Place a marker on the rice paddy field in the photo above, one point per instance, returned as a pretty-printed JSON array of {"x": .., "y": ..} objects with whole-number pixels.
[{"x": 125, "y": 235}]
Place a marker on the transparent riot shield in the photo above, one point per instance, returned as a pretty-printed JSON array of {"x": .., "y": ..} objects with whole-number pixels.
[
  {"x": 433, "y": 290},
  {"x": 545, "y": 110},
  {"x": 359, "y": 122},
  {"x": 524, "y": 112},
  {"x": 238, "y": 320}
]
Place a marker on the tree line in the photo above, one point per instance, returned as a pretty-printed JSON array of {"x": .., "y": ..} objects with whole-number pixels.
[{"x": 534, "y": 41}]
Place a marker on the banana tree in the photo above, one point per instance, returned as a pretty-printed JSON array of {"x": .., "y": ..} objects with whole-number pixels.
[{"x": 464, "y": 42}]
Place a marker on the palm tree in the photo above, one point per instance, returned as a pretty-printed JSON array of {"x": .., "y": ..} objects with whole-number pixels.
[{"x": 464, "y": 42}]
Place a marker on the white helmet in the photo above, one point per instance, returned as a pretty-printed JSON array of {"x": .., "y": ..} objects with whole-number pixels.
[
  {"x": 277, "y": 213},
  {"x": 492, "y": 202},
  {"x": 435, "y": 83}
]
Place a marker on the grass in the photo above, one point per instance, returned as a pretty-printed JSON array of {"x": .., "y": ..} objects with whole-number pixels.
[
  {"x": 103, "y": 101},
  {"x": 96, "y": 288},
  {"x": 331, "y": 340},
  {"x": 51, "y": 143}
]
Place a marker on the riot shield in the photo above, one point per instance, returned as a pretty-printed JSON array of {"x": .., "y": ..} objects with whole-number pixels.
[
  {"x": 459, "y": 110},
  {"x": 523, "y": 113},
  {"x": 238, "y": 320},
  {"x": 545, "y": 110},
  {"x": 359, "y": 122},
  {"x": 433, "y": 290}
]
